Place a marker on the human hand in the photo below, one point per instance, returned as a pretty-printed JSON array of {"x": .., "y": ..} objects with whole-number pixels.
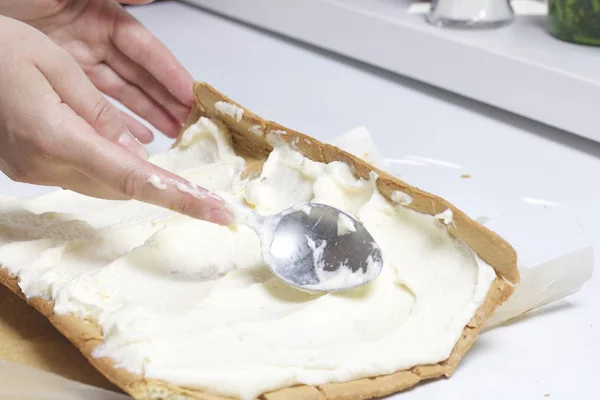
[
  {"x": 121, "y": 57},
  {"x": 57, "y": 129}
]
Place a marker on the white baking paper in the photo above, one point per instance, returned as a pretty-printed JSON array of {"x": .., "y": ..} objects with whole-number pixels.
[
  {"x": 359, "y": 143},
  {"x": 22, "y": 382},
  {"x": 545, "y": 284}
]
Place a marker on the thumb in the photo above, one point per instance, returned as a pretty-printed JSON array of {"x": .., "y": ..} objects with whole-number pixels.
[{"x": 74, "y": 88}]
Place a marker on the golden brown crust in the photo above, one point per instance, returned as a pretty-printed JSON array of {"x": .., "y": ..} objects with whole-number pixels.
[{"x": 255, "y": 148}]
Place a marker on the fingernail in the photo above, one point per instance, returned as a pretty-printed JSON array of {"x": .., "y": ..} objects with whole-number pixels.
[
  {"x": 220, "y": 217},
  {"x": 129, "y": 143}
]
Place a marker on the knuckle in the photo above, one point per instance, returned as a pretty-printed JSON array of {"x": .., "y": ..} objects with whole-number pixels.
[
  {"x": 131, "y": 184},
  {"x": 185, "y": 204},
  {"x": 103, "y": 112}
]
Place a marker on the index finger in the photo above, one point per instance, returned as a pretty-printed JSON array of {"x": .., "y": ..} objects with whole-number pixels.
[{"x": 110, "y": 165}]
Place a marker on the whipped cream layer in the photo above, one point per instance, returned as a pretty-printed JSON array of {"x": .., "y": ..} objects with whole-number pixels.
[{"x": 192, "y": 303}]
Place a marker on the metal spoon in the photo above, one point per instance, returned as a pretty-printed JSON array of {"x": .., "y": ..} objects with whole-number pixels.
[{"x": 315, "y": 247}]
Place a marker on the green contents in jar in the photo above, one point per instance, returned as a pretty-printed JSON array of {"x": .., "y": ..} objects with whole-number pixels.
[{"x": 575, "y": 21}]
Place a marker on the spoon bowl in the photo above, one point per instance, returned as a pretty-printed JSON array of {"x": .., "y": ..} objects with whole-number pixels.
[{"x": 315, "y": 247}]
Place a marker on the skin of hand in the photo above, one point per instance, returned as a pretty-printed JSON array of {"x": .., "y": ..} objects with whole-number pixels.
[
  {"x": 57, "y": 129},
  {"x": 119, "y": 55}
]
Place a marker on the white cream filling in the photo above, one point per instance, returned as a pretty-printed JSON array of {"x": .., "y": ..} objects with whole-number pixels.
[
  {"x": 232, "y": 110},
  {"x": 345, "y": 225},
  {"x": 257, "y": 130},
  {"x": 193, "y": 303},
  {"x": 155, "y": 181},
  {"x": 401, "y": 198},
  {"x": 445, "y": 217}
]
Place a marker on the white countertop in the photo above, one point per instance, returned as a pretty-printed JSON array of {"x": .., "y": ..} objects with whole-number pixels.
[
  {"x": 520, "y": 67},
  {"x": 513, "y": 162}
]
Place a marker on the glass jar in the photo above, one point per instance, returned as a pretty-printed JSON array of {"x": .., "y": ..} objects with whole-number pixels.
[
  {"x": 576, "y": 21},
  {"x": 470, "y": 13}
]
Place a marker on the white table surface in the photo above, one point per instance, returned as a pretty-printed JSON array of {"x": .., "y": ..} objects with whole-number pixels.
[
  {"x": 538, "y": 185},
  {"x": 520, "y": 67}
]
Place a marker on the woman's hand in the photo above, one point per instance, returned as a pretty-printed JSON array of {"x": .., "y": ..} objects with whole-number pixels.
[
  {"x": 57, "y": 129},
  {"x": 121, "y": 57}
]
